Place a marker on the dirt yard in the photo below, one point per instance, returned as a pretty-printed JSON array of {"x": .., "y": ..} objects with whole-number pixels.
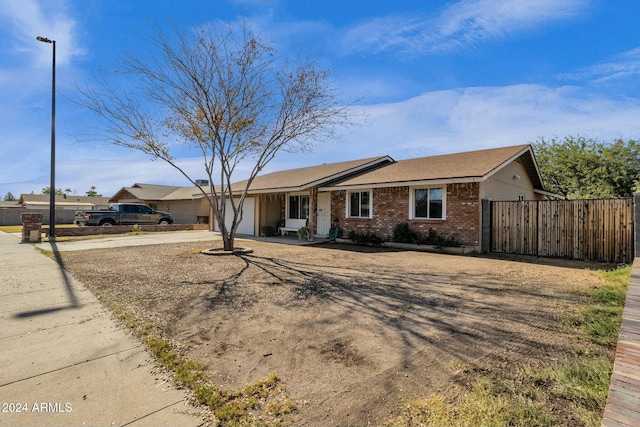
[{"x": 355, "y": 333}]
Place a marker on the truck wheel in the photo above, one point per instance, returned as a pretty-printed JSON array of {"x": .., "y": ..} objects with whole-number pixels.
[
  {"x": 107, "y": 223},
  {"x": 164, "y": 222}
]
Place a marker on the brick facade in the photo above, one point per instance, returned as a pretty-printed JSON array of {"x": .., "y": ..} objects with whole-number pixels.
[{"x": 391, "y": 207}]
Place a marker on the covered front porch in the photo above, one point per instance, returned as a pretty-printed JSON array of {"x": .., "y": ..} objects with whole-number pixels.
[{"x": 284, "y": 213}]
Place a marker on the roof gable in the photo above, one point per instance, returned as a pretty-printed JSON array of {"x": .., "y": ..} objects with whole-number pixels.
[{"x": 145, "y": 192}]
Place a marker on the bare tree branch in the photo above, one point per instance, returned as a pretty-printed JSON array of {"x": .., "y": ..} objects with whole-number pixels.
[{"x": 227, "y": 93}]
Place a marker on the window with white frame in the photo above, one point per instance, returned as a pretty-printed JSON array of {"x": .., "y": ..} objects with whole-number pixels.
[
  {"x": 359, "y": 204},
  {"x": 298, "y": 206},
  {"x": 428, "y": 203}
]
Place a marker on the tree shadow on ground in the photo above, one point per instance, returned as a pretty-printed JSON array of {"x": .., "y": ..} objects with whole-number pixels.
[{"x": 460, "y": 315}]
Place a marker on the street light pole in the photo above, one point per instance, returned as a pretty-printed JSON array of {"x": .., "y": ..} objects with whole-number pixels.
[{"x": 52, "y": 188}]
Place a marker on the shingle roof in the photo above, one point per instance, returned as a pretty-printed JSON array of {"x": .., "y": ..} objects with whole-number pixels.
[
  {"x": 383, "y": 170},
  {"x": 147, "y": 191},
  {"x": 45, "y": 198},
  {"x": 185, "y": 193},
  {"x": 467, "y": 165},
  {"x": 302, "y": 178}
]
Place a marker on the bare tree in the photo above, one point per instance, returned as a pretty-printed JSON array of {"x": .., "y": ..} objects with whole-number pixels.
[{"x": 225, "y": 92}]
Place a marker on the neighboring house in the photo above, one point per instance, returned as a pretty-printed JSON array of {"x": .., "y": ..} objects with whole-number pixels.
[
  {"x": 66, "y": 202},
  {"x": 148, "y": 194},
  {"x": 66, "y": 205},
  {"x": 13, "y": 204},
  {"x": 186, "y": 204}
]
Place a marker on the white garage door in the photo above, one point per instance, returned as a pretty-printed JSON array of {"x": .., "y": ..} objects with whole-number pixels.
[{"x": 248, "y": 215}]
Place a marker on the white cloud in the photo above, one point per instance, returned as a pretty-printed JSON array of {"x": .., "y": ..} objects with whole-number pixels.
[
  {"x": 25, "y": 20},
  {"x": 623, "y": 65},
  {"x": 482, "y": 117},
  {"x": 461, "y": 25},
  {"x": 432, "y": 123}
]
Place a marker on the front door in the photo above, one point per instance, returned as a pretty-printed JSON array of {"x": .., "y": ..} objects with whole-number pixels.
[{"x": 324, "y": 213}]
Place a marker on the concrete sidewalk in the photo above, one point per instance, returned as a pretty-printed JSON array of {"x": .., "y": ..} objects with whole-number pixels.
[{"x": 65, "y": 362}]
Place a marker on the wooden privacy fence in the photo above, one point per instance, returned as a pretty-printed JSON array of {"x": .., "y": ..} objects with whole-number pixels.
[{"x": 597, "y": 230}]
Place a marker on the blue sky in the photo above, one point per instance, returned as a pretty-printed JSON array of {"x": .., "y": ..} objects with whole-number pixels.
[{"x": 435, "y": 77}]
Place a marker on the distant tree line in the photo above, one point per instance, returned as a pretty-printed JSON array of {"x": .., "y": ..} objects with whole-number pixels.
[
  {"x": 585, "y": 168},
  {"x": 9, "y": 197}
]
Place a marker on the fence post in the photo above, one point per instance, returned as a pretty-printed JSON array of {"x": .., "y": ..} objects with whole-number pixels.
[
  {"x": 485, "y": 247},
  {"x": 636, "y": 224}
]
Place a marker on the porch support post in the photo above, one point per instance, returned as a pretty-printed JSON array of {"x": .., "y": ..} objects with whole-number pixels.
[{"x": 313, "y": 210}]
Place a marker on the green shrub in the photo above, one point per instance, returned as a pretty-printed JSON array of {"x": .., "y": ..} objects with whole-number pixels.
[
  {"x": 368, "y": 238},
  {"x": 435, "y": 239},
  {"x": 304, "y": 233},
  {"x": 267, "y": 231},
  {"x": 402, "y": 233}
]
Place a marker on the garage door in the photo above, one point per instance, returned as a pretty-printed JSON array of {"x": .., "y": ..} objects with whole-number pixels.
[{"x": 248, "y": 215}]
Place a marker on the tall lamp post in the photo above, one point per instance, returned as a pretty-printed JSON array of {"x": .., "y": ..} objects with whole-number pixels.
[{"x": 52, "y": 188}]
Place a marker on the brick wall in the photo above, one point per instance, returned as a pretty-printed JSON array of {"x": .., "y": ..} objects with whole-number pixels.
[
  {"x": 121, "y": 229},
  {"x": 391, "y": 207},
  {"x": 31, "y": 222}
]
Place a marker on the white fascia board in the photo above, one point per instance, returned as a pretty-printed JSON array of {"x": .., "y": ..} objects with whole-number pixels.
[
  {"x": 275, "y": 190},
  {"x": 511, "y": 159},
  {"x": 58, "y": 203},
  {"x": 383, "y": 159},
  {"x": 428, "y": 182}
]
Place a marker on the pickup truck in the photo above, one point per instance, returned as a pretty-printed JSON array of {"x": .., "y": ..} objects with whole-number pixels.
[{"x": 123, "y": 214}]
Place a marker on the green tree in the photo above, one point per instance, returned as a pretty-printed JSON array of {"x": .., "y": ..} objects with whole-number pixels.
[
  {"x": 9, "y": 197},
  {"x": 47, "y": 190},
  {"x": 581, "y": 168},
  {"x": 93, "y": 193},
  {"x": 622, "y": 165},
  {"x": 228, "y": 94}
]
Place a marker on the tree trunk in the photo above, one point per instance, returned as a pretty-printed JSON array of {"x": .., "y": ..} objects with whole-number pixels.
[{"x": 228, "y": 242}]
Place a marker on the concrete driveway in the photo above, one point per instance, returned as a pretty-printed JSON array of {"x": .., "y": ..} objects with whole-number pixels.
[{"x": 132, "y": 240}]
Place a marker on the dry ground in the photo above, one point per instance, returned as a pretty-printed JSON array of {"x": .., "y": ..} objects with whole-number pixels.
[{"x": 355, "y": 333}]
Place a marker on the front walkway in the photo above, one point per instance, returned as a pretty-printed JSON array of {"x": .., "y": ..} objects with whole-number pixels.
[
  {"x": 623, "y": 401},
  {"x": 289, "y": 239}
]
